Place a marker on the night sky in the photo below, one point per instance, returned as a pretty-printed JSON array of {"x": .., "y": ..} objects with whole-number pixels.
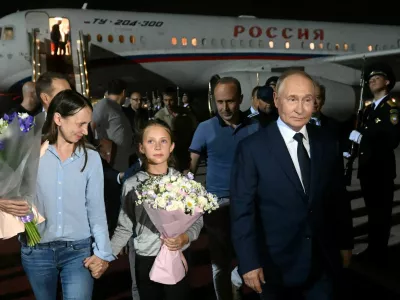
[{"x": 352, "y": 11}]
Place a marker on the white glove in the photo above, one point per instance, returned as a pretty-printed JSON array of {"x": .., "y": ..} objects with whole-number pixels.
[
  {"x": 355, "y": 136},
  {"x": 346, "y": 154}
]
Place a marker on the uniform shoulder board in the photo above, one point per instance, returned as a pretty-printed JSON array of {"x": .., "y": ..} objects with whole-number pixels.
[
  {"x": 392, "y": 102},
  {"x": 252, "y": 115}
]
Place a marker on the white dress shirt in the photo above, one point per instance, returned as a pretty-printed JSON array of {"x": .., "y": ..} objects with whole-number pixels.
[
  {"x": 377, "y": 102},
  {"x": 287, "y": 134}
]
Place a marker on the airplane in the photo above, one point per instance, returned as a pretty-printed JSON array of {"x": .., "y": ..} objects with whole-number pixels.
[{"x": 152, "y": 51}]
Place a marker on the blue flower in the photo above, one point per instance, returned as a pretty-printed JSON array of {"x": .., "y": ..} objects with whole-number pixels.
[
  {"x": 10, "y": 118},
  {"x": 25, "y": 124}
]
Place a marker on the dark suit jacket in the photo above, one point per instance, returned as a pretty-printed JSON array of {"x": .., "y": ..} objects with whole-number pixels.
[
  {"x": 381, "y": 135},
  {"x": 273, "y": 222}
]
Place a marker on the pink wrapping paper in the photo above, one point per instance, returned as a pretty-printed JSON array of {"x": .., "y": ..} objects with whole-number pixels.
[
  {"x": 170, "y": 267},
  {"x": 10, "y": 225}
]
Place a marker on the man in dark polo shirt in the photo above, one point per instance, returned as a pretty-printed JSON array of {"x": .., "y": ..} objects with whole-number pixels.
[{"x": 218, "y": 138}]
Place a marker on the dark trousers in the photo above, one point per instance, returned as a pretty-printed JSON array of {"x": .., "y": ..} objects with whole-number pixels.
[
  {"x": 378, "y": 193},
  {"x": 320, "y": 289},
  {"x": 218, "y": 226},
  {"x": 150, "y": 290}
]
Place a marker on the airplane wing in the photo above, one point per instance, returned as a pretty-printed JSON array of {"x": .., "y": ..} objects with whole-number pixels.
[{"x": 355, "y": 61}]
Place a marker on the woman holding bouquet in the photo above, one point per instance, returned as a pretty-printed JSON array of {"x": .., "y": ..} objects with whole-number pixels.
[
  {"x": 155, "y": 148},
  {"x": 74, "y": 243}
]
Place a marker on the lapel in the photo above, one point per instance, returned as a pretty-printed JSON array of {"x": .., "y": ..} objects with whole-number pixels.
[
  {"x": 280, "y": 151},
  {"x": 316, "y": 152}
]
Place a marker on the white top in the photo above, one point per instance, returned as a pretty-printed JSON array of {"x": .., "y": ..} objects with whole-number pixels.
[{"x": 287, "y": 134}]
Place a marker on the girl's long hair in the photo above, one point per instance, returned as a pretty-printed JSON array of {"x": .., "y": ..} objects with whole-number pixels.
[
  {"x": 139, "y": 139},
  {"x": 67, "y": 103}
]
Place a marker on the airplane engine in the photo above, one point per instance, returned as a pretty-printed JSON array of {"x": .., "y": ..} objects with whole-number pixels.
[{"x": 340, "y": 98}]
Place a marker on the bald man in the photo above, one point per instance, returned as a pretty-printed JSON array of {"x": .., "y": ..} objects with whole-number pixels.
[{"x": 30, "y": 102}]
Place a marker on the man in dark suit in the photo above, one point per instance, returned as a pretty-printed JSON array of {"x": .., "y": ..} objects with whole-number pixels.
[
  {"x": 290, "y": 218},
  {"x": 377, "y": 137},
  {"x": 253, "y": 109}
]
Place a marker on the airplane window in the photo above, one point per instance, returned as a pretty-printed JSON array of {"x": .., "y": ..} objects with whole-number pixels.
[
  {"x": 252, "y": 43},
  {"x": 214, "y": 42},
  {"x": 321, "y": 46},
  {"x": 132, "y": 39},
  {"x": 312, "y": 46},
  {"x": 261, "y": 43},
  {"x": 337, "y": 47},
  {"x": 377, "y": 47},
  {"x": 271, "y": 44},
  {"x": 194, "y": 42},
  {"x": 346, "y": 47},
  {"x": 8, "y": 33},
  {"x": 233, "y": 43},
  {"x": 204, "y": 41},
  {"x": 242, "y": 43},
  {"x": 99, "y": 38},
  {"x": 223, "y": 43},
  {"x": 287, "y": 45},
  {"x": 184, "y": 41},
  {"x": 121, "y": 39},
  {"x": 302, "y": 45},
  {"x": 110, "y": 38},
  {"x": 143, "y": 39},
  {"x": 174, "y": 41},
  {"x": 329, "y": 46}
]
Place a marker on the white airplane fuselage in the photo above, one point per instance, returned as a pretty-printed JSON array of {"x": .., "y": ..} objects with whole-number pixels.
[{"x": 188, "y": 50}]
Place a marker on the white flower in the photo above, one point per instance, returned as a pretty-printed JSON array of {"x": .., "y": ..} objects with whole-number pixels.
[
  {"x": 3, "y": 126},
  {"x": 23, "y": 115}
]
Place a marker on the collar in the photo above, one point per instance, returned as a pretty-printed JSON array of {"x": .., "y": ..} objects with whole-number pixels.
[
  {"x": 243, "y": 120},
  {"x": 288, "y": 133},
  {"x": 377, "y": 102},
  {"x": 78, "y": 151},
  {"x": 253, "y": 110}
]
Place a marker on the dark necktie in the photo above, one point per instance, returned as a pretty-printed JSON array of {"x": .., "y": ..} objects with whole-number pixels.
[{"x": 304, "y": 161}]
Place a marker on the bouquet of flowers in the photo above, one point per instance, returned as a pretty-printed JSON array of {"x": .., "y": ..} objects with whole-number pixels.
[
  {"x": 173, "y": 203},
  {"x": 20, "y": 137}
]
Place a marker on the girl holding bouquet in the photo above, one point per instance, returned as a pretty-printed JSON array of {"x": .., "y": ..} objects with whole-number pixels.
[
  {"x": 74, "y": 244},
  {"x": 155, "y": 148}
]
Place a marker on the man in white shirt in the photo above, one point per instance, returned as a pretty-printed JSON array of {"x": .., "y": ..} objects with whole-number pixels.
[{"x": 290, "y": 218}]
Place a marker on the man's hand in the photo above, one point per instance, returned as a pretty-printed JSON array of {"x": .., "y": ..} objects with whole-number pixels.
[
  {"x": 254, "y": 279},
  {"x": 355, "y": 136},
  {"x": 105, "y": 149},
  {"x": 346, "y": 256},
  {"x": 96, "y": 265},
  {"x": 18, "y": 208},
  {"x": 175, "y": 244}
]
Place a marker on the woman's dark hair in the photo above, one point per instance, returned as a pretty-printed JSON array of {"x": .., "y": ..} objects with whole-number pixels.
[
  {"x": 140, "y": 136},
  {"x": 67, "y": 103}
]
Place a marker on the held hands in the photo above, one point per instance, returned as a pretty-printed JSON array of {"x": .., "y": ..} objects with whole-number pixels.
[
  {"x": 254, "y": 279},
  {"x": 18, "y": 208},
  {"x": 96, "y": 265},
  {"x": 175, "y": 244},
  {"x": 355, "y": 136}
]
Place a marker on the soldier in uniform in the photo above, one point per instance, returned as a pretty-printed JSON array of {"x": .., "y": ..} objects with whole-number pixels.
[
  {"x": 267, "y": 111},
  {"x": 378, "y": 136}
]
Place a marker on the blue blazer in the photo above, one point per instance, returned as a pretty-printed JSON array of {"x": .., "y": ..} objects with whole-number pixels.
[{"x": 274, "y": 223}]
